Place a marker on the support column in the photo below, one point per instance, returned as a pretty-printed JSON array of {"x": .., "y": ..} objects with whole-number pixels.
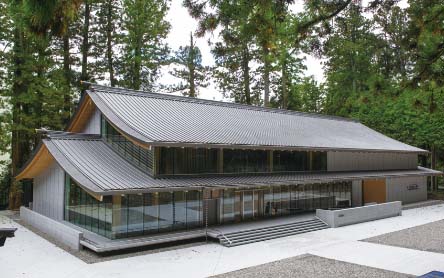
[
  {"x": 220, "y": 160},
  {"x": 270, "y": 160}
]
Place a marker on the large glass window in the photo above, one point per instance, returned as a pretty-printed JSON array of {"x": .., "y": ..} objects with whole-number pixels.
[
  {"x": 245, "y": 161},
  {"x": 194, "y": 208},
  {"x": 136, "y": 155},
  {"x": 290, "y": 161},
  {"x": 228, "y": 205},
  {"x": 180, "y": 210},
  {"x": 135, "y": 214},
  {"x": 165, "y": 211},
  {"x": 282, "y": 200},
  {"x": 85, "y": 211},
  {"x": 150, "y": 213},
  {"x": 179, "y": 161},
  {"x": 121, "y": 216},
  {"x": 319, "y": 161}
]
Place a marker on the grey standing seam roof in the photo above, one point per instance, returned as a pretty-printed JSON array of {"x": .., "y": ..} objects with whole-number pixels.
[
  {"x": 95, "y": 166},
  {"x": 165, "y": 119}
]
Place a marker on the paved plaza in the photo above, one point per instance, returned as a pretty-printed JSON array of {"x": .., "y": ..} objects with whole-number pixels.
[{"x": 29, "y": 255}]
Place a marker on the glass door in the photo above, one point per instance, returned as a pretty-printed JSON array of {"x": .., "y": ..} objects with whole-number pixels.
[{"x": 247, "y": 205}]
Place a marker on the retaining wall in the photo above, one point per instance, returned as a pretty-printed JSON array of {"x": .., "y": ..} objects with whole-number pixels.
[{"x": 343, "y": 217}]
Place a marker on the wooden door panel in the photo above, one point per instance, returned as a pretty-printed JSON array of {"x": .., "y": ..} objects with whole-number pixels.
[{"x": 374, "y": 191}]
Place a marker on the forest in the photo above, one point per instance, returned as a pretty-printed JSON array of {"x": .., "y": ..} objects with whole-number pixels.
[{"x": 383, "y": 62}]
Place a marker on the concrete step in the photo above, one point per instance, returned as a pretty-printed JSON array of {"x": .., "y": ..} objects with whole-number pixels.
[
  {"x": 274, "y": 226},
  {"x": 271, "y": 232}
]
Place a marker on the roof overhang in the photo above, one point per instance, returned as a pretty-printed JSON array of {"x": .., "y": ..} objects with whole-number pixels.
[
  {"x": 39, "y": 162},
  {"x": 45, "y": 155},
  {"x": 100, "y": 171}
]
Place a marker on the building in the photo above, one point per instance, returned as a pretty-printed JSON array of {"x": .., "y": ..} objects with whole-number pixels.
[{"x": 136, "y": 164}]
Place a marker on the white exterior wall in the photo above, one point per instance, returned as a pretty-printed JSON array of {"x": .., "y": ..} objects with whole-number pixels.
[
  {"x": 93, "y": 124},
  {"x": 356, "y": 161},
  {"x": 406, "y": 189},
  {"x": 48, "y": 192}
]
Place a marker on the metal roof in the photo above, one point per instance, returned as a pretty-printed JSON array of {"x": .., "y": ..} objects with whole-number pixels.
[
  {"x": 95, "y": 166},
  {"x": 165, "y": 119}
]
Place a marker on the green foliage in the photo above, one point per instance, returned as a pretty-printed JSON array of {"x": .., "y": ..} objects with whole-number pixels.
[
  {"x": 144, "y": 47},
  {"x": 189, "y": 69}
]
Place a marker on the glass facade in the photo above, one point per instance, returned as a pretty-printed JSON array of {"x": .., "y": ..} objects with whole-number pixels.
[
  {"x": 285, "y": 161},
  {"x": 136, "y": 155},
  {"x": 245, "y": 161},
  {"x": 122, "y": 216},
  {"x": 239, "y": 205},
  {"x": 186, "y": 161},
  {"x": 150, "y": 213},
  {"x": 180, "y": 161},
  {"x": 87, "y": 212}
]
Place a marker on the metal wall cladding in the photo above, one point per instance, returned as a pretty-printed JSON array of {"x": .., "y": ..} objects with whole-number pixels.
[
  {"x": 361, "y": 161},
  {"x": 48, "y": 192},
  {"x": 407, "y": 189},
  {"x": 161, "y": 118},
  {"x": 98, "y": 168}
]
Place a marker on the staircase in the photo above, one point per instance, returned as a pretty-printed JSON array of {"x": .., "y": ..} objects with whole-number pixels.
[{"x": 271, "y": 232}]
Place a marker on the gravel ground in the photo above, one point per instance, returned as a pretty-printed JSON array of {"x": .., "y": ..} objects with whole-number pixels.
[
  {"x": 309, "y": 266},
  {"x": 91, "y": 257},
  {"x": 426, "y": 237}
]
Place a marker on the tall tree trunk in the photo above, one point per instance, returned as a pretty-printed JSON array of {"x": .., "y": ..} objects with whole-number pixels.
[
  {"x": 19, "y": 142},
  {"x": 433, "y": 166},
  {"x": 246, "y": 74},
  {"x": 109, "y": 48},
  {"x": 85, "y": 43},
  {"x": 17, "y": 88},
  {"x": 284, "y": 84},
  {"x": 137, "y": 66},
  {"x": 191, "y": 68},
  {"x": 266, "y": 77},
  {"x": 67, "y": 75}
]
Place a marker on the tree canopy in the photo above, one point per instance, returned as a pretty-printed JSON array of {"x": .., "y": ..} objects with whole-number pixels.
[{"x": 383, "y": 62}]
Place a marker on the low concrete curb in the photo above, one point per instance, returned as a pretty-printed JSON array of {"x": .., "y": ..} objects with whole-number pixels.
[{"x": 55, "y": 229}]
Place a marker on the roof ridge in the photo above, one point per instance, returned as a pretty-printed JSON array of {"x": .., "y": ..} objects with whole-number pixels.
[{"x": 119, "y": 90}]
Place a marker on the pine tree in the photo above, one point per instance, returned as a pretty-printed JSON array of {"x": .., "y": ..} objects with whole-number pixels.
[
  {"x": 349, "y": 51},
  {"x": 236, "y": 51},
  {"x": 143, "y": 46},
  {"x": 192, "y": 73}
]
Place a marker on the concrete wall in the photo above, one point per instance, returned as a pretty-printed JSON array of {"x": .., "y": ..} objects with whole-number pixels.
[
  {"x": 406, "y": 189},
  {"x": 357, "y": 193},
  {"x": 57, "y": 230},
  {"x": 343, "y": 217},
  {"x": 93, "y": 124},
  {"x": 48, "y": 192},
  {"x": 350, "y": 161}
]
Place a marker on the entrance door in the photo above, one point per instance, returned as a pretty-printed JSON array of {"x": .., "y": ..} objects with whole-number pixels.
[
  {"x": 247, "y": 205},
  {"x": 374, "y": 191},
  {"x": 250, "y": 204}
]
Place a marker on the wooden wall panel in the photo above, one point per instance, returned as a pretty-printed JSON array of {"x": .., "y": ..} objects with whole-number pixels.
[{"x": 374, "y": 191}]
